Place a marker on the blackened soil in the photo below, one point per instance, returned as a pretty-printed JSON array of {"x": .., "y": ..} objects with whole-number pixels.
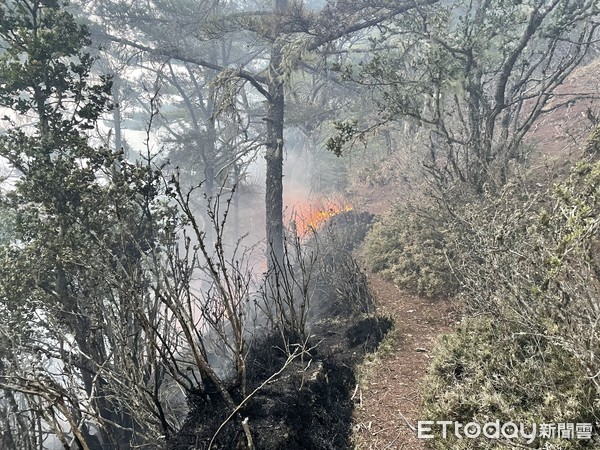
[
  {"x": 308, "y": 406},
  {"x": 369, "y": 332}
]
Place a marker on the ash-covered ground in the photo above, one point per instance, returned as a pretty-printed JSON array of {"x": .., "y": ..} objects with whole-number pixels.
[{"x": 309, "y": 404}]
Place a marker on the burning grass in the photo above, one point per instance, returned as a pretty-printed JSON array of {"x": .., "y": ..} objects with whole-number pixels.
[{"x": 309, "y": 216}]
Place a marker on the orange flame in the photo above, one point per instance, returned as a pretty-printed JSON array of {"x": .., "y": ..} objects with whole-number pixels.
[{"x": 308, "y": 217}]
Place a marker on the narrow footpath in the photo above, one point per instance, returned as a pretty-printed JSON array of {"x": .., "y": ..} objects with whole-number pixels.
[{"x": 387, "y": 399}]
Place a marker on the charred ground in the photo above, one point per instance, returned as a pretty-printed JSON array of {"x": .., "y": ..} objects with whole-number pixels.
[{"x": 309, "y": 404}]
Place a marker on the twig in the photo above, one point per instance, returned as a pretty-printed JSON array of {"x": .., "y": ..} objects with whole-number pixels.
[
  {"x": 407, "y": 422},
  {"x": 252, "y": 394},
  {"x": 248, "y": 434}
]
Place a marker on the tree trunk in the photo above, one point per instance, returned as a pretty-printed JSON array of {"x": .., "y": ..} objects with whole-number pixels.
[{"x": 274, "y": 153}]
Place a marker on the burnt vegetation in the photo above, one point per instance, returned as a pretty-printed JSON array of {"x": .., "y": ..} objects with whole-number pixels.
[{"x": 301, "y": 373}]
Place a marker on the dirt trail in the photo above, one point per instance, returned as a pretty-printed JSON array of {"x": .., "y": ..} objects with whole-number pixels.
[{"x": 388, "y": 402}]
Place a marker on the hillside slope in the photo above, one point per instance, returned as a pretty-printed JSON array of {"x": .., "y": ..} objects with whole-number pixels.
[{"x": 388, "y": 397}]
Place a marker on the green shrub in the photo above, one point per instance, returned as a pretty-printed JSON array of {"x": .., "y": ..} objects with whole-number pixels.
[
  {"x": 487, "y": 370},
  {"x": 409, "y": 246},
  {"x": 529, "y": 349}
]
